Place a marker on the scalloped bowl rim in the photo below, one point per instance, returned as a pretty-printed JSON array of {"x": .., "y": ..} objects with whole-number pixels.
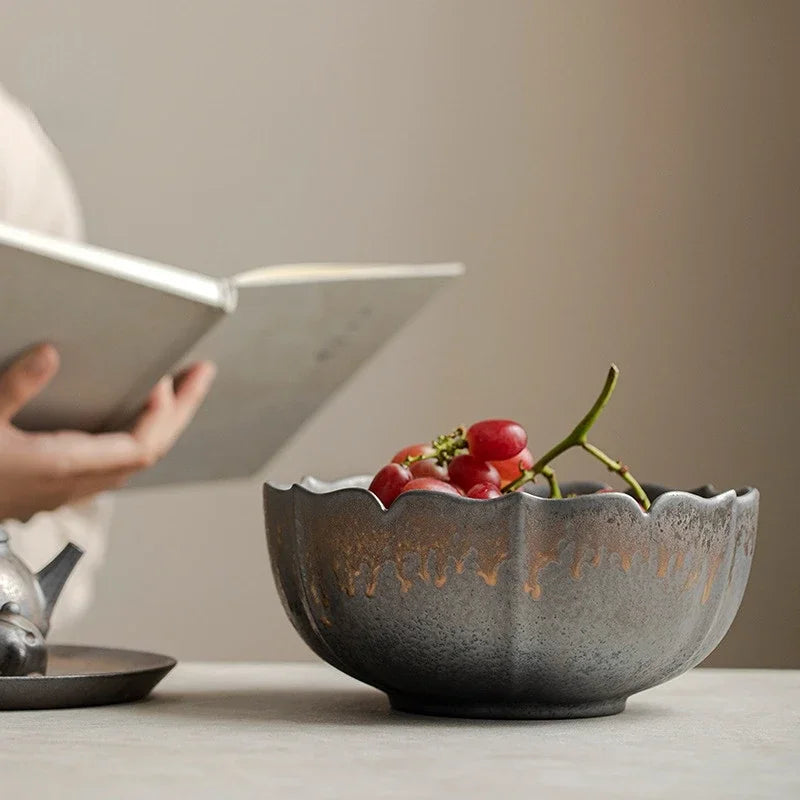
[{"x": 316, "y": 487}]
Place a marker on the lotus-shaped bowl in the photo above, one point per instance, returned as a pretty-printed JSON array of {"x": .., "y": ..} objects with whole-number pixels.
[{"x": 518, "y": 607}]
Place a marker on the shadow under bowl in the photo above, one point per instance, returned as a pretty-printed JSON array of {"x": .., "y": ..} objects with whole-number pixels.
[{"x": 520, "y": 607}]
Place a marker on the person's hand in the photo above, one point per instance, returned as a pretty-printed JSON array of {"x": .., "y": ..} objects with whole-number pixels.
[{"x": 42, "y": 471}]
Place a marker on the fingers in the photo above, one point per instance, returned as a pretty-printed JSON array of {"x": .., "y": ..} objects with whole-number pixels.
[
  {"x": 51, "y": 496},
  {"x": 66, "y": 454},
  {"x": 47, "y": 470},
  {"x": 40, "y": 472},
  {"x": 191, "y": 390},
  {"x": 89, "y": 486},
  {"x": 25, "y": 378},
  {"x": 170, "y": 410},
  {"x": 72, "y": 464},
  {"x": 152, "y": 425}
]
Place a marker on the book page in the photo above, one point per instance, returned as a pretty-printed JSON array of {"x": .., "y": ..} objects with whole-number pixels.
[
  {"x": 284, "y": 274},
  {"x": 280, "y": 357}
]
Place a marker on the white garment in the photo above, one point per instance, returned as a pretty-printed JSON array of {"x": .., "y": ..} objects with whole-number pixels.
[{"x": 36, "y": 193}]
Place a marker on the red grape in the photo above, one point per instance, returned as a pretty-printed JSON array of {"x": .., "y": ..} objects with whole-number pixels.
[
  {"x": 509, "y": 469},
  {"x": 428, "y": 468},
  {"x": 496, "y": 439},
  {"x": 431, "y": 485},
  {"x": 484, "y": 491},
  {"x": 389, "y": 482},
  {"x": 412, "y": 450},
  {"x": 466, "y": 470}
]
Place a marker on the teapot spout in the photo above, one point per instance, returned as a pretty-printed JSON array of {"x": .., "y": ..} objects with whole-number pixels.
[{"x": 53, "y": 577}]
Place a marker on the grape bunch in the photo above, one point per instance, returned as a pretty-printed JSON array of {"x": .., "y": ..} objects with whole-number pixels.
[
  {"x": 478, "y": 462},
  {"x": 491, "y": 458}
]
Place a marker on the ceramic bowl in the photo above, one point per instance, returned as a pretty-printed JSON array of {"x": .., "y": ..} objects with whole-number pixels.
[{"x": 518, "y": 607}]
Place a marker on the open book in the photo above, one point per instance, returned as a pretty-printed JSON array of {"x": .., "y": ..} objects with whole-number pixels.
[{"x": 283, "y": 338}]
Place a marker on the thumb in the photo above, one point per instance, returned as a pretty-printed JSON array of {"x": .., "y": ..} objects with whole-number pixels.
[{"x": 25, "y": 378}]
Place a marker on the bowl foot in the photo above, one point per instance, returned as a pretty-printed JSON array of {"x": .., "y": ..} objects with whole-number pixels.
[{"x": 453, "y": 707}]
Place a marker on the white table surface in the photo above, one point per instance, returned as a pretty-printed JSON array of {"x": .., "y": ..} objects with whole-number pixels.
[{"x": 305, "y": 731}]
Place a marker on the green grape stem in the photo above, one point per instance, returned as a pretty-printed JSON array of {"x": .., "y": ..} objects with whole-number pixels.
[
  {"x": 578, "y": 438},
  {"x": 445, "y": 448},
  {"x": 555, "y": 489}
]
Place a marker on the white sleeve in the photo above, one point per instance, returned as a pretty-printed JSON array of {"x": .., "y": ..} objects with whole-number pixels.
[
  {"x": 36, "y": 193},
  {"x": 35, "y": 189},
  {"x": 40, "y": 539}
]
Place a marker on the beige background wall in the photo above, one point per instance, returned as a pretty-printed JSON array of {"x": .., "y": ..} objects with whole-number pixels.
[{"x": 622, "y": 179}]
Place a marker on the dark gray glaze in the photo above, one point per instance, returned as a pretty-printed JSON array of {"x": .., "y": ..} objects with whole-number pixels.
[
  {"x": 85, "y": 676},
  {"x": 22, "y": 647},
  {"x": 519, "y": 607}
]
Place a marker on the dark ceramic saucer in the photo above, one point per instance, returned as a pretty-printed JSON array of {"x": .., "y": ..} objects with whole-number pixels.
[{"x": 85, "y": 676}]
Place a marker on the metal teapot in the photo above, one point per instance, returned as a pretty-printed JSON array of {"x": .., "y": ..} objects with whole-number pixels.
[{"x": 26, "y": 604}]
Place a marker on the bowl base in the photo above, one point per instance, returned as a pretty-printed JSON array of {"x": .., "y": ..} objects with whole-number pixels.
[{"x": 453, "y": 707}]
